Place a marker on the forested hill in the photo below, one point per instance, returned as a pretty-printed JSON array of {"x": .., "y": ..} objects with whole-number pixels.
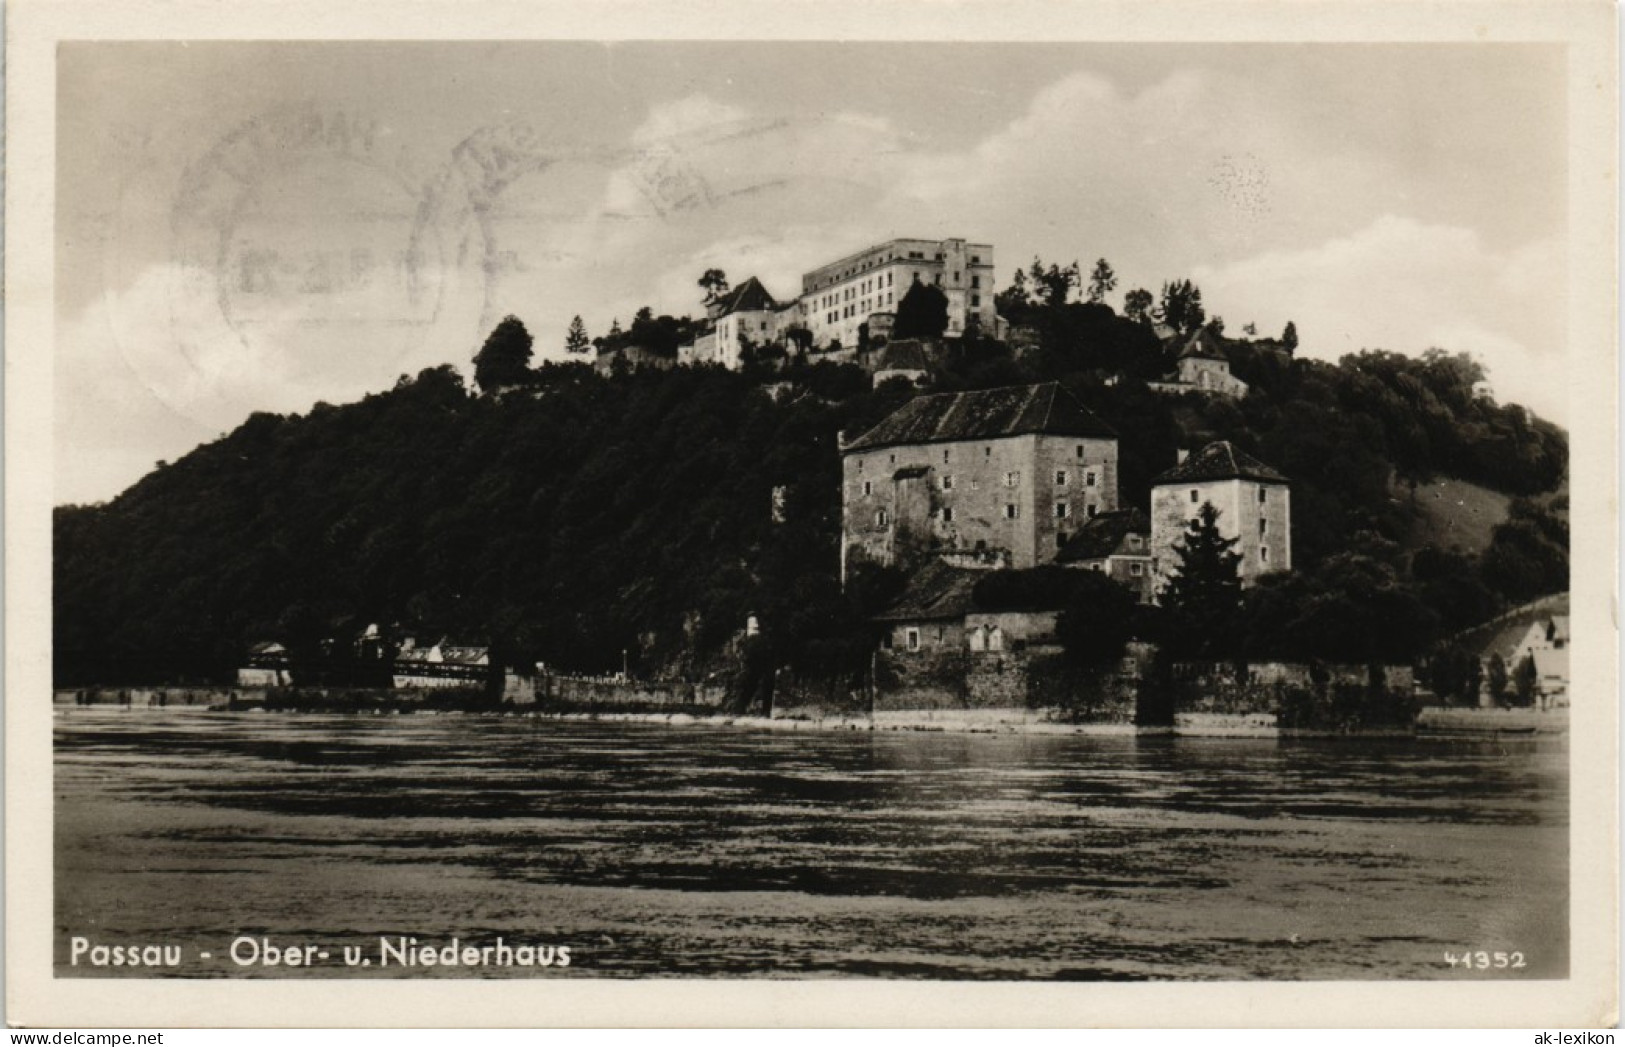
[{"x": 582, "y": 516}]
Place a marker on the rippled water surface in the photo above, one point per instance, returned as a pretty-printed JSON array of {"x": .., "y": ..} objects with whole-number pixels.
[{"x": 701, "y": 851}]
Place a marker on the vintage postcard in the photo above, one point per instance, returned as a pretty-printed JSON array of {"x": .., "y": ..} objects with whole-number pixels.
[{"x": 811, "y": 514}]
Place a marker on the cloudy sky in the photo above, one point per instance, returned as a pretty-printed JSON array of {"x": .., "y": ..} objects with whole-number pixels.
[{"x": 251, "y": 227}]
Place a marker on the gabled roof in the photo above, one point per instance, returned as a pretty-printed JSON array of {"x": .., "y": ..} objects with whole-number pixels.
[
  {"x": 749, "y": 296},
  {"x": 1220, "y": 460},
  {"x": 1505, "y": 635},
  {"x": 1204, "y": 344},
  {"x": 985, "y": 414},
  {"x": 1103, "y": 535},
  {"x": 936, "y": 591},
  {"x": 907, "y": 354}
]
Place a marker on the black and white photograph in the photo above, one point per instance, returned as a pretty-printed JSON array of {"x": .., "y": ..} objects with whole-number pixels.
[{"x": 936, "y": 504}]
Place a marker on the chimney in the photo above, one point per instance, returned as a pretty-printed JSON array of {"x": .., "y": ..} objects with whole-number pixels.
[{"x": 1183, "y": 454}]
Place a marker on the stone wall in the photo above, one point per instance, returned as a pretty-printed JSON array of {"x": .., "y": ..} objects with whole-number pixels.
[
  {"x": 1035, "y": 679},
  {"x": 1292, "y": 694},
  {"x": 601, "y": 691}
]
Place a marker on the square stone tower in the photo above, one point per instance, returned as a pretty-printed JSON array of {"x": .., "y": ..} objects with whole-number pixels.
[{"x": 1254, "y": 503}]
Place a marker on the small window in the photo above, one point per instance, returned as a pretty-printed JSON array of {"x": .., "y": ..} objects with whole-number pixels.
[
  {"x": 894, "y": 462},
  {"x": 1088, "y": 479},
  {"x": 1262, "y": 491},
  {"x": 1010, "y": 511},
  {"x": 1194, "y": 494},
  {"x": 1264, "y": 553},
  {"x": 1062, "y": 510},
  {"x": 1060, "y": 478},
  {"x": 948, "y": 483},
  {"x": 975, "y": 280},
  {"x": 868, "y": 487},
  {"x": 945, "y": 456},
  {"x": 880, "y": 518},
  {"x": 1263, "y": 528},
  {"x": 1012, "y": 478},
  {"x": 1092, "y": 510},
  {"x": 987, "y": 452},
  {"x": 947, "y": 514},
  {"x": 976, "y": 301},
  {"x": 1135, "y": 569},
  {"x": 1096, "y": 566},
  {"x": 912, "y": 639},
  {"x": 1133, "y": 541}
]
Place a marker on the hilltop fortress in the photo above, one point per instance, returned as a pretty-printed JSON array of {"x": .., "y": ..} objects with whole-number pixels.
[{"x": 842, "y": 301}]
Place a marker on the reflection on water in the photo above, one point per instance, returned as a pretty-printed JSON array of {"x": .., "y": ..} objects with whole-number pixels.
[{"x": 712, "y": 851}]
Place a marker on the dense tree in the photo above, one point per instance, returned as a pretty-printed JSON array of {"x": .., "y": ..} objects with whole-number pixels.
[
  {"x": 1528, "y": 554},
  {"x": 1014, "y": 298},
  {"x": 1137, "y": 305},
  {"x": 1102, "y": 281},
  {"x": 1098, "y": 620},
  {"x": 1454, "y": 673},
  {"x": 575, "y": 340},
  {"x": 1181, "y": 306},
  {"x": 1495, "y": 679},
  {"x": 1055, "y": 282},
  {"x": 922, "y": 312},
  {"x": 715, "y": 284},
  {"x": 504, "y": 359},
  {"x": 1203, "y": 593},
  {"x": 1525, "y": 681},
  {"x": 1289, "y": 338}
]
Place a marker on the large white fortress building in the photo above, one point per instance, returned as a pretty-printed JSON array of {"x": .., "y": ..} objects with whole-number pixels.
[{"x": 838, "y": 298}]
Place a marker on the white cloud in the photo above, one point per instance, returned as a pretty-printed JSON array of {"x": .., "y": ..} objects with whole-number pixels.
[{"x": 1405, "y": 286}]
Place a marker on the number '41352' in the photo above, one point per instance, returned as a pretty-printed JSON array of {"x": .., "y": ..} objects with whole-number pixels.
[{"x": 1484, "y": 961}]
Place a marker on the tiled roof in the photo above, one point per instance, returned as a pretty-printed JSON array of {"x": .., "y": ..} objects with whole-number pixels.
[
  {"x": 983, "y": 414},
  {"x": 1204, "y": 344},
  {"x": 936, "y": 591},
  {"x": 1103, "y": 535},
  {"x": 907, "y": 354},
  {"x": 1220, "y": 460},
  {"x": 749, "y": 296},
  {"x": 1503, "y": 635}
]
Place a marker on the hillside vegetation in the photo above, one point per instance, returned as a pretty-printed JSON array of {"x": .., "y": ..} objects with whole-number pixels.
[{"x": 582, "y": 516}]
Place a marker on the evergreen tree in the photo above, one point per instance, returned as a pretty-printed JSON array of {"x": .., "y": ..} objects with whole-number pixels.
[
  {"x": 1203, "y": 593},
  {"x": 1102, "y": 281},
  {"x": 1182, "y": 306},
  {"x": 1137, "y": 305},
  {"x": 1289, "y": 337},
  {"x": 1524, "y": 681},
  {"x": 576, "y": 340},
  {"x": 504, "y": 360},
  {"x": 1014, "y": 297},
  {"x": 1495, "y": 678}
]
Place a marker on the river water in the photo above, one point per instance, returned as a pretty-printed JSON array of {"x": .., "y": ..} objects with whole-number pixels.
[{"x": 651, "y": 850}]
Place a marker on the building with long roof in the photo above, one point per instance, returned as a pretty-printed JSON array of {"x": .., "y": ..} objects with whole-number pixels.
[
  {"x": 837, "y": 299},
  {"x": 1003, "y": 475}
]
